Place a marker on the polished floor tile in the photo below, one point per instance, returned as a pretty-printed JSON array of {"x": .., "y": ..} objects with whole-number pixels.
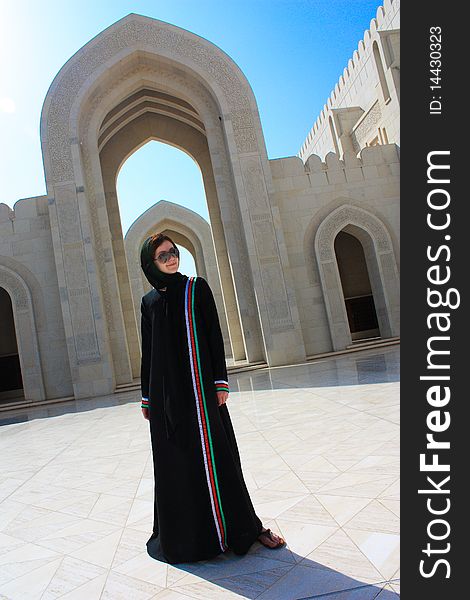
[{"x": 319, "y": 444}]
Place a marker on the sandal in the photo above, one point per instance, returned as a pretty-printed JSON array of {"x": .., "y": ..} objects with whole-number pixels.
[{"x": 267, "y": 533}]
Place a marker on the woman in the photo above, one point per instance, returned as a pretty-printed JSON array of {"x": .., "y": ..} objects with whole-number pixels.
[{"x": 202, "y": 506}]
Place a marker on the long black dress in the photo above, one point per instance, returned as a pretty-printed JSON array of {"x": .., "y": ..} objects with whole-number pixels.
[{"x": 202, "y": 506}]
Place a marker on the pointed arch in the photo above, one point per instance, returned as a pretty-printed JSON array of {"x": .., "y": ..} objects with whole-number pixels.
[
  {"x": 26, "y": 333},
  {"x": 381, "y": 264}
]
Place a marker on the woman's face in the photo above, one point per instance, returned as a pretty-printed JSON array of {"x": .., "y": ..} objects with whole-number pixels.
[{"x": 171, "y": 266}]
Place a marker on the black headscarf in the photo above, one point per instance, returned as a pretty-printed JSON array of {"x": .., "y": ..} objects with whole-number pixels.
[
  {"x": 176, "y": 404},
  {"x": 156, "y": 278}
]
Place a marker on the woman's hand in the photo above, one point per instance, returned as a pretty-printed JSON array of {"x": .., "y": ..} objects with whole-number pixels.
[
  {"x": 222, "y": 398},
  {"x": 145, "y": 412}
]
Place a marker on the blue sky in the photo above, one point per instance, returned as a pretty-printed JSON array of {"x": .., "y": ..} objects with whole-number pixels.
[{"x": 292, "y": 52}]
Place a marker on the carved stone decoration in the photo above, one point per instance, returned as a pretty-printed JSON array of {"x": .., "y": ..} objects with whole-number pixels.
[
  {"x": 278, "y": 306},
  {"x": 254, "y": 184},
  {"x": 17, "y": 291},
  {"x": 26, "y": 333},
  {"x": 369, "y": 123},
  {"x": 264, "y": 234},
  {"x": 163, "y": 38},
  {"x": 30, "y": 282},
  {"x": 76, "y": 276},
  {"x": 244, "y": 132},
  {"x": 382, "y": 265},
  {"x": 67, "y": 208},
  {"x": 389, "y": 271},
  {"x": 339, "y": 218},
  {"x": 263, "y": 231}
]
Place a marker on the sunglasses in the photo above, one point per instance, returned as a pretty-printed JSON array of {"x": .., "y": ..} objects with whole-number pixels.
[{"x": 163, "y": 257}]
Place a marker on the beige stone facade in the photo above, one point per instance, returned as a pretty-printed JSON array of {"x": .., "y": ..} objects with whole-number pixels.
[
  {"x": 71, "y": 284},
  {"x": 364, "y": 107}
]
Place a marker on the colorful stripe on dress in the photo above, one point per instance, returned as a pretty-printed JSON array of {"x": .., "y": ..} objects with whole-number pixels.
[
  {"x": 202, "y": 415},
  {"x": 221, "y": 385}
]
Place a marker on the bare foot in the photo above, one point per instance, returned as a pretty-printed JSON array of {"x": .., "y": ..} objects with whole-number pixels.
[{"x": 270, "y": 539}]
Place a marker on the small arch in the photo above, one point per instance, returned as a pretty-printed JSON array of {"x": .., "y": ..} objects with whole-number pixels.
[
  {"x": 25, "y": 332},
  {"x": 381, "y": 265},
  {"x": 191, "y": 231},
  {"x": 11, "y": 381},
  {"x": 356, "y": 286}
]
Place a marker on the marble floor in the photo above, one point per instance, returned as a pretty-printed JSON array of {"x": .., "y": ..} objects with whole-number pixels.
[{"x": 319, "y": 445}]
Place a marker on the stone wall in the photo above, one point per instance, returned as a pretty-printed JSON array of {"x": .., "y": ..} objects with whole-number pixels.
[
  {"x": 27, "y": 268},
  {"x": 356, "y": 107},
  {"x": 307, "y": 194}
]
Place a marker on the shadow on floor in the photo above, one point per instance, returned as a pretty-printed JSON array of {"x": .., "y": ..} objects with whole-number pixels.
[{"x": 279, "y": 574}]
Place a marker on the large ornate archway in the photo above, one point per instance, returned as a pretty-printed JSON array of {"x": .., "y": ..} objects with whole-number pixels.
[
  {"x": 142, "y": 73},
  {"x": 381, "y": 265}
]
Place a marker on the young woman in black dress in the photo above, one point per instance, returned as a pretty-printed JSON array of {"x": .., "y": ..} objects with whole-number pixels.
[{"x": 202, "y": 506}]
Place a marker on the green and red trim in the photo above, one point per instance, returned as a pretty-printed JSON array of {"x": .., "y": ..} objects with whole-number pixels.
[
  {"x": 221, "y": 385},
  {"x": 203, "y": 416}
]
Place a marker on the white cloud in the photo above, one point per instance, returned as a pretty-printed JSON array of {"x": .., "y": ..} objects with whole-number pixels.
[{"x": 7, "y": 104}]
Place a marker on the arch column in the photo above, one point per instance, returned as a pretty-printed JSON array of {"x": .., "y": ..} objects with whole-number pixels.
[
  {"x": 26, "y": 334},
  {"x": 381, "y": 263}
]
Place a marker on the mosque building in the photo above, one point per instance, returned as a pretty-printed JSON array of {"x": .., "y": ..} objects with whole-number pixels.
[{"x": 301, "y": 252}]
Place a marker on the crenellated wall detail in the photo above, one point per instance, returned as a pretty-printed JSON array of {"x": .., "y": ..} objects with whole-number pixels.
[
  {"x": 359, "y": 87},
  {"x": 307, "y": 195}
]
